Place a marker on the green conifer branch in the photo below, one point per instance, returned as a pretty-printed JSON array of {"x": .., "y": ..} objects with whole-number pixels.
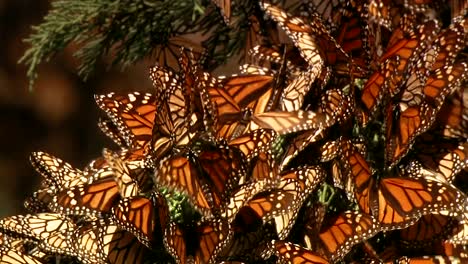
[{"x": 127, "y": 29}]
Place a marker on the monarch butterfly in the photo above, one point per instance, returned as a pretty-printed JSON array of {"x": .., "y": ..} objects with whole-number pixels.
[
  {"x": 163, "y": 78},
  {"x": 429, "y": 260},
  {"x": 272, "y": 57},
  {"x": 231, "y": 262},
  {"x": 131, "y": 180},
  {"x": 302, "y": 36},
  {"x": 167, "y": 53},
  {"x": 29, "y": 249},
  {"x": 99, "y": 165},
  {"x": 342, "y": 232},
  {"x": 317, "y": 46},
  {"x": 229, "y": 163},
  {"x": 118, "y": 246},
  {"x": 263, "y": 175},
  {"x": 298, "y": 144},
  {"x": 207, "y": 177},
  {"x": 336, "y": 107},
  {"x": 200, "y": 244},
  {"x": 452, "y": 119},
  {"x": 397, "y": 202},
  {"x": 250, "y": 241},
  {"x": 293, "y": 94},
  {"x": 143, "y": 217},
  {"x": 38, "y": 202},
  {"x": 56, "y": 172},
  {"x": 57, "y": 242},
  {"x": 401, "y": 134},
  {"x": 233, "y": 101},
  {"x": 372, "y": 93},
  {"x": 173, "y": 123},
  {"x": 187, "y": 99},
  {"x": 334, "y": 54},
  {"x": 406, "y": 49},
  {"x": 197, "y": 98},
  {"x": 133, "y": 115},
  {"x": 435, "y": 250},
  {"x": 255, "y": 33},
  {"x": 351, "y": 32},
  {"x": 283, "y": 202},
  {"x": 237, "y": 110},
  {"x": 12, "y": 256},
  {"x": 385, "y": 13},
  {"x": 407, "y": 25},
  {"x": 21, "y": 245},
  {"x": 264, "y": 167},
  {"x": 459, "y": 235},
  {"x": 447, "y": 157},
  {"x": 427, "y": 229},
  {"x": 289, "y": 253},
  {"x": 449, "y": 43},
  {"x": 311, "y": 220},
  {"x": 444, "y": 81},
  {"x": 329, "y": 152},
  {"x": 416, "y": 117},
  {"x": 423, "y": 6},
  {"x": 186, "y": 92},
  {"x": 85, "y": 243},
  {"x": 100, "y": 168},
  {"x": 37, "y": 227},
  {"x": 290, "y": 122},
  {"x": 416, "y": 110},
  {"x": 446, "y": 47},
  {"x": 405, "y": 41},
  {"x": 7, "y": 241},
  {"x": 93, "y": 199},
  {"x": 330, "y": 11},
  {"x": 112, "y": 131},
  {"x": 256, "y": 141},
  {"x": 292, "y": 79},
  {"x": 247, "y": 69}
]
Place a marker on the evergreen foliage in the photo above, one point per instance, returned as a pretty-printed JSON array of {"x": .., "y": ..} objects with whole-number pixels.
[{"x": 128, "y": 30}]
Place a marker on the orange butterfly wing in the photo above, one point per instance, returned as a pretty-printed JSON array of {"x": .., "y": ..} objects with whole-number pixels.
[
  {"x": 96, "y": 198},
  {"x": 401, "y": 201},
  {"x": 133, "y": 114},
  {"x": 289, "y": 253},
  {"x": 347, "y": 230}
]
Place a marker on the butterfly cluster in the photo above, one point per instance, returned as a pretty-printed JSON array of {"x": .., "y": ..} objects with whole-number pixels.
[{"x": 347, "y": 142}]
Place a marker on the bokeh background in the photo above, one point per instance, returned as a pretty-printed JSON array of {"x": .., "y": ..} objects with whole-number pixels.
[{"x": 58, "y": 116}]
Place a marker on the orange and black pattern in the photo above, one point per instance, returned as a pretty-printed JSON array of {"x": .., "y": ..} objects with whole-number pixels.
[{"x": 342, "y": 140}]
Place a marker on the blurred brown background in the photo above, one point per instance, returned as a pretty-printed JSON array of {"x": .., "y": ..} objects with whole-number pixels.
[{"x": 59, "y": 116}]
